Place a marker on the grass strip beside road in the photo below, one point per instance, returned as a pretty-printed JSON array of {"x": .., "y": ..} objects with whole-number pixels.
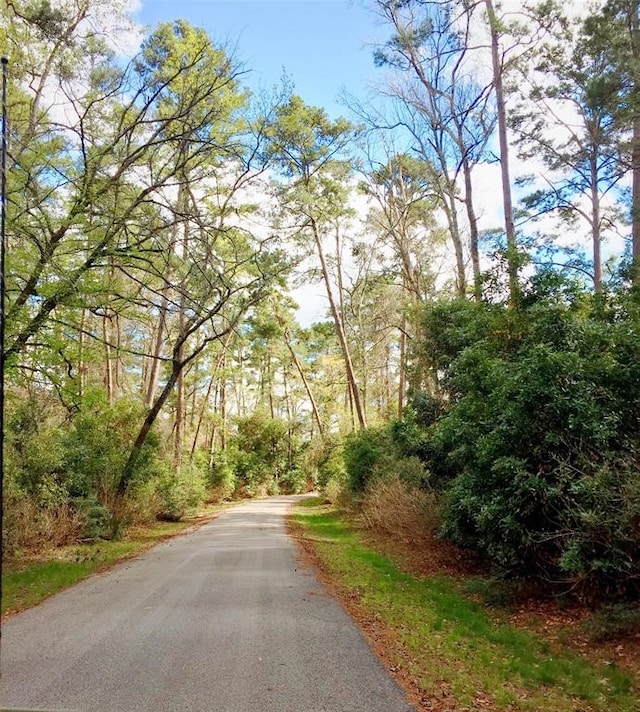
[
  {"x": 451, "y": 652},
  {"x": 27, "y": 581}
]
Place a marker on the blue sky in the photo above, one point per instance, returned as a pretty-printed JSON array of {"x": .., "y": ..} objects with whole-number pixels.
[{"x": 321, "y": 44}]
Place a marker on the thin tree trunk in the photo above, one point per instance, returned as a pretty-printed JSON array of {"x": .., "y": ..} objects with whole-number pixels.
[
  {"x": 595, "y": 226},
  {"x": 449, "y": 205},
  {"x": 512, "y": 247},
  {"x": 635, "y": 211},
  {"x": 198, "y": 424},
  {"x": 82, "y": 368},
  {"x": 351, "y": 378},
  {"x": 180, "y": 396},
  {"x": 270, "y": 384},
  {"x": 403, "y": 358},
  {"x": 223, "y": 413},
  {"x": 145, "y": 429},
  {"x": 305, "y": 383},
  {"x": 473, "y": 229},
  {"x": 108, "y": 361},
  {"x": 635, "y": 151}
]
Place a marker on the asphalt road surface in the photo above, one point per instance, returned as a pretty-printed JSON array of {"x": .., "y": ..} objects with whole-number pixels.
[{"x": 224, "y": 618}]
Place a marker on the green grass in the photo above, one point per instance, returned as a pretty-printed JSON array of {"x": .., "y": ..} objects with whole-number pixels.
[
  {"x": 311, "y": 502},
  {"x": 26, "y": 583},
  {"x": 447, "y": 639}
]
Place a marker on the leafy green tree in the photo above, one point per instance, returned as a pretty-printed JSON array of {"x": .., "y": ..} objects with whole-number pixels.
[
  {"x": 613, "y": 32},
  {"x": 309, "y": 149},
  {"x": 563, "y": 122},
  {"x": 448, "y": 115}
]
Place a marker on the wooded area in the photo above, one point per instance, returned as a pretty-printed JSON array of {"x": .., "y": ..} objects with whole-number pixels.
[{"x": 159, "y": 215}]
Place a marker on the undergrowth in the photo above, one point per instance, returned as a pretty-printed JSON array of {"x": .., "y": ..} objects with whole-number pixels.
[{"x": 452, "y": 646}]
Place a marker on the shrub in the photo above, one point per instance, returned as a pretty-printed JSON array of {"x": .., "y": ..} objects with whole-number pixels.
[
  {"x": 330, "y": 464},
  {"x": 540, "y": 439},
  {"x": 34, "y": 527},
  {"x": 613, "y": 621},
  {"x": 362, "y": 451},
  {"x": 265, "y": 456},
  {"x": 96, "y": 519},
  {"x": 221, "y": 479},
  {"x": 294, "y": 481},
  {"x": 97, "y": 446},
  {"x": 394, "y": 508},
  {"x": 180, "y": 493}
]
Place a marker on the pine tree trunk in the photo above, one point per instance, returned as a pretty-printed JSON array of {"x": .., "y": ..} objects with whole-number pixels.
[
  {"x": 305, "y": 383},
  {"x": 635, "y": 150},
  {"x": 351, "y": 378},
  {"x": 595, "y": 226},
  {"x": 512, "y": 247}
]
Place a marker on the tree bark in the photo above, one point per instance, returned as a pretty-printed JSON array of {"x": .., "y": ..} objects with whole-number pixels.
[
  {"x": 595, "y": 224},
  {"x": 512, "y": 247},
  {"x": 305, "y": 383},
  {"x": 473, "y": 229},
  {"x": 351, "y": 377},
  {"x": 635, "y": 151}
]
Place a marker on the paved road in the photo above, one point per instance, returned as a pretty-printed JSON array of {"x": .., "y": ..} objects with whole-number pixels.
[{"x": 222, "y": 619}]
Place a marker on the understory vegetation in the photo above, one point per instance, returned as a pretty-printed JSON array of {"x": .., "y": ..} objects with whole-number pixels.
[
  {"x": 448, "y": 650},
  {"x": 527, "y": 448}
]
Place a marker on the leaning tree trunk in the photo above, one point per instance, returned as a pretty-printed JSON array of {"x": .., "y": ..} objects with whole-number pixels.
[{"x": 351, "y": 377}]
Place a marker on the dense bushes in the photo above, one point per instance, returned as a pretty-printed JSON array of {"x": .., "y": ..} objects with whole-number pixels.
[
  {"x": 538, "y": 447},
  {"x": 62, "y": 469},
  {"x": 265, "y": 455},
  {"x": 530, "y": 435},
  {"x": 379, "y": 453}
]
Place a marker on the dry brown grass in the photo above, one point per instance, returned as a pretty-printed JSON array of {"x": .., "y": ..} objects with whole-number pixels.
[
  {"x": 34, "y": 528},
  {"x": 393, "y": 508}
]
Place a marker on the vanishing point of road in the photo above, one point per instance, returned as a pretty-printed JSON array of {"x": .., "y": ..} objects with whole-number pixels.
[{"x": 224, "y": 618}]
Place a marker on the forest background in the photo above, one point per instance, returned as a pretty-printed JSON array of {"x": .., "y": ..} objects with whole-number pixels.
[{"x": 160, "y": 215}]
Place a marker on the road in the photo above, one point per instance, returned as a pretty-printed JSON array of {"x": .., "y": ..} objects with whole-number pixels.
[{"x": 224, "y": 618}]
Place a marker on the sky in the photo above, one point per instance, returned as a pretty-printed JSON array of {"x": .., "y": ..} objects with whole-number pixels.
[
  {"x": 326, "y": 49},
  {"x": 324, "y": 46}
]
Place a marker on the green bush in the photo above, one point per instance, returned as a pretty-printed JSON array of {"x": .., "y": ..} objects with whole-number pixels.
[
  {"x": 540, "y": 438},
  {"x": 221, "y": 479},
  {"x": 96, "y": 519},
  {"x": 328, "y": 461},
  {"x": 98, "y": 444},
  {"x": 294, "y": 481},
  {"x": 362, "y": 452},
  {"x": 180, "y": 493},
  {"x": 34, "y": 452},
  {"x": 266, "y": 456}
]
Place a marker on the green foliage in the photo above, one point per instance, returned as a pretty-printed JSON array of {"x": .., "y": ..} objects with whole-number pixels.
[
  {"x": 266, "y": 456},
  {"x": 612, "y": 621},
  {"x": 540, "y": 436},
  {"x": 392, "y": 451},
  {"x": 221, "y": 479},
  {"x": 98, "y": 444},
  {"x": 34, "y": 452},
  {"x": 452, "y": 640},
  {"x": 328, "y": 459},
  {"x": 362, "y": 451},
  {"x": 96, "y": 519},
  {"x": 180, "y": 493}
]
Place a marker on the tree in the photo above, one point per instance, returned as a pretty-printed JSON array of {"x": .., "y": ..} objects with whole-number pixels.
[
  {"x": 447, "y": 113},
  {"x": 614, "y": 33},
  {"x": 308, "y": 147},
  {"x": 561, "y": 122}
]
